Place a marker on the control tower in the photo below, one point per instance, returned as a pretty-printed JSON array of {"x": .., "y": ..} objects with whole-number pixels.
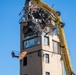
[{"x": 38, "y": 38}]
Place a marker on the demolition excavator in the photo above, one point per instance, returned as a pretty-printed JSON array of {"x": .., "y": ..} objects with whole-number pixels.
[
  {"x": 39, "y": 12},
  {"x": 55, "y": 16}
]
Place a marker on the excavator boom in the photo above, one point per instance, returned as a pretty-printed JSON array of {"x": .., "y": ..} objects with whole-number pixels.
[{"x": 55, "y": 16}]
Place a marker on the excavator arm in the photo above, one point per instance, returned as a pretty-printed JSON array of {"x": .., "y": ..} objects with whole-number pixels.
[{"x": 55, "y": 16}]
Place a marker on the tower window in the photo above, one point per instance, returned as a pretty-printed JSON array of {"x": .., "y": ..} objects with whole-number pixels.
[
  {"x": 25, "y": 61},
  {"x": 31, "y": 42},
  {"x": 56, "y": 47},
  {"x": 46, "y": 40},
  {"x": 47, "y": 73},
  {"x": 39, "y": 53},
  {"x": 47, "y": 58}
]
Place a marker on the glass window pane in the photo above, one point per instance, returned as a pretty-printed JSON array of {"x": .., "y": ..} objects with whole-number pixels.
[
  {"x": 56, "y": 47},
  {"x": 46, "y": 41},
  {"x": 37, "y": 41},
  {"x": 47, "y": 58},
  {"x": 31, "y": 42},
  {"x": 26, "y": 44},
  {"x": 47, "y": 73}
]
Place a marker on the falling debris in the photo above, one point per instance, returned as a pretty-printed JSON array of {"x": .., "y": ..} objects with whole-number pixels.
[{"x": 22, "y": 55}]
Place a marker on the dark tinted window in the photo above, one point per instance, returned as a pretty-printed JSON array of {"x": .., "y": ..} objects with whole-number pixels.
[
  {"x": 31, "y": 42},
  {"x": 25, "y": 61},
  {"x": 47, "y": 73},
  {"x": 47, "y": 58}
]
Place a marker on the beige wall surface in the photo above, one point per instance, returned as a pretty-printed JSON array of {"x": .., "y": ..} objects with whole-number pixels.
[
  {"x": 36, "y": 65},
  {"x": 54, "y": 66}
]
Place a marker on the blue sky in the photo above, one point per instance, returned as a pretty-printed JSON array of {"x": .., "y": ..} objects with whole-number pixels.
[{"x": 10, "y": 31}]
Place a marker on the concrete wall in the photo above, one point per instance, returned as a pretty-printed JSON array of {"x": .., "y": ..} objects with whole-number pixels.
[
  {"x": 36, "y": 65},
  {"x": 54, "y": 66},
  {"x": 34, "y": 62},
  {"x": 33, "y": 65}
]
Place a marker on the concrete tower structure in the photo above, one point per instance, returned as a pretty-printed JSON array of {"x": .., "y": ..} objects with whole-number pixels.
[{"x": 43, "y": 50}]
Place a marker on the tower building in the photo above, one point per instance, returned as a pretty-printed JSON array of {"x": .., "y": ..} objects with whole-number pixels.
[{"x": 39, "y": 40}]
